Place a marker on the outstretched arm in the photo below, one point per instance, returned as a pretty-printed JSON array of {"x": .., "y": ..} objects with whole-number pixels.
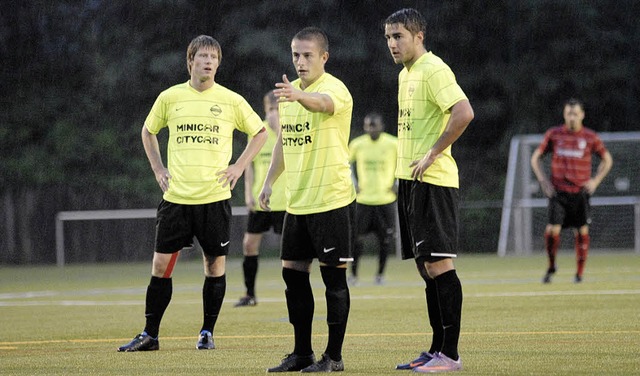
[{"x": 312, "y": 102}]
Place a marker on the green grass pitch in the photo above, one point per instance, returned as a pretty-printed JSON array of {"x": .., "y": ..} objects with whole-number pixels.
[{"x": 69, "y": 321}]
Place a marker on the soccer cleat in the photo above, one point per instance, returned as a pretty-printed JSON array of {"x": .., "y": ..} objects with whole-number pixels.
[
  {"x": 352, "y": 280},
  {"x": 325, "y": 364},
  {"x": 293, "y": 362},
  {"x": 246, "y": 301},
  {"x": 379, "y": 280},
  {"x": 440, "y": 363},
  {"x": 205, "y": 341},
  {"x": 141, "y": 342},
  {"x": 423, "y": 358},
  {"x": 550, "y": 272},
  {"x": 577, "y": 278}
]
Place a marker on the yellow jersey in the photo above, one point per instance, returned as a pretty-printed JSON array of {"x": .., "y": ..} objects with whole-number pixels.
[
  {"x": 316, "y": 151},
  {"x": 201, "y": 126},
  {"x": 375, "y": 168},
  {"x": 426, "y": 94},
  {"x": 277, "y": 201}
]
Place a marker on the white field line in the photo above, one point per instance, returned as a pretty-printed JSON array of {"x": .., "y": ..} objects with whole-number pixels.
[{"x": 83, "y": 302}]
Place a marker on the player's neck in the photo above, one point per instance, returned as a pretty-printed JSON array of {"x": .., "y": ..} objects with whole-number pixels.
[
  {"x": 201, "y": 85},
  {"x": 418, "y": 55}
]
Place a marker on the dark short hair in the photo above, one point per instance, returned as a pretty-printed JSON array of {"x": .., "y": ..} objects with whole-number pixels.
[
  {"x": 410, "y": 18},
  {"x": 314, "y": 34},
  {"x": 199, "y": 42},
  {"x": 574, "y": 102}
]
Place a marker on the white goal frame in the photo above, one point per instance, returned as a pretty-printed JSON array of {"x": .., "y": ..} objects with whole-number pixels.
[{"x": 516, "y": 221}]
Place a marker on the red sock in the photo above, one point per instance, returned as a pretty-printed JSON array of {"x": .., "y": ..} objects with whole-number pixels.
[
  {"x": 551, "y": 244},
  {"x": 582, "y": 250}
]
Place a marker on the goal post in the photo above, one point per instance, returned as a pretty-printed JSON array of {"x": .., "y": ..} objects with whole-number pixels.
[{"x": 615, "y": 205}]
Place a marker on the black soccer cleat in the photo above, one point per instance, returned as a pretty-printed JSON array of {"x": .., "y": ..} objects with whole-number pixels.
[
  {"x": 550, "y": 272},
  {"x": 205, "y": 341},
  {"x": 141, "y": 342},
  {"x": 325, "y": 364},
  {"x": 294, "y": 362},
  {"x": 246, "y": 301}
]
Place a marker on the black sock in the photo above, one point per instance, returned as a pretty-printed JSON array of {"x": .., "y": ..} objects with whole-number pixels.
[
  {"x": 450, "y": 299},
  {"x": 357, "y": 252},
  {"x": 386, "y": 247},
  {"x": 300, "y": 305},
  {"x": 250, "y": 269},
  {"x": 433, "y": 309},
  {"x": 338, "y": 304},
  {"x": 157, "y": 300},
  {"x": 213, "y": 291}
]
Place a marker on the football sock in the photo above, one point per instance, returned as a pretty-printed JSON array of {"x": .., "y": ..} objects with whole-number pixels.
[
  {"x": 250, "y": 269},
  {"x": 338, "y": 304},
  {"x": 300, "y": 305},
  {"x": 157, "y": 300},
  {"x": 433, "y": 310},
  {"x": 582, "y": 251},
  {"x": 213, "y": 291},
  {"x": 551, "y": 244},
  {"x": 450, "y": 299}
]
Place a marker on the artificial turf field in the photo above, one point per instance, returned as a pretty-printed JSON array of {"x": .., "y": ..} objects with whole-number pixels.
[{"x": 66, "y": 321}]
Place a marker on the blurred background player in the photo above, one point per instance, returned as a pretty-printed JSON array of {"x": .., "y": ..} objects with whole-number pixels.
[
  {"x": 571, "y": 185},
  {"x": 201, "y": 116},
  {"x": 433, "y": 111},
  {"x": 259, "y": 220},
  {"x": 374, "y": 155}
]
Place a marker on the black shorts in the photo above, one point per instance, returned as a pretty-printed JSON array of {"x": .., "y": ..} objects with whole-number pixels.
[
  {"x": 570, "y": 209},
  {"x": 327, "y": 236},
  {"x": 177, "y": 225},
  {"x": 380, "y": 219},
  {"x": 428, "y": 217},
  {"x": 262, "y": 221}
]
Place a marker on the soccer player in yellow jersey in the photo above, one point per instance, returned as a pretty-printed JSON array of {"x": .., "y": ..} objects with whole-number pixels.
[
  {"x": 433, "y": 113},
  {"x": 201, "y": 116},
  {"x": 374, "y": 155},
  {"x": 260, "y": 221},
  {"x": 312, "y": 152}
]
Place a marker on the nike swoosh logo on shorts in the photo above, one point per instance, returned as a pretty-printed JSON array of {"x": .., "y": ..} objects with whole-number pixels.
[
  {"x": 418, "y": 243},
  {"x": 327, "y": 250},
  {"x": 224, "y": 244}
]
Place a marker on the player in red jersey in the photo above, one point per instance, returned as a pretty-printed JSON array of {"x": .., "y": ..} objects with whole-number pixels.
[{"x": 571, "y": 184}]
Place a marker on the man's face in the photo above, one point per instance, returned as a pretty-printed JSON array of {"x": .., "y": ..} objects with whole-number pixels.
[
  {"x": 205, "y": 64},
  {"x": 308, "y": 59},
  {"x": 402, "y": 44},
  {"x": 573, "y": 116},
  {"x": 373, "y": 127}
]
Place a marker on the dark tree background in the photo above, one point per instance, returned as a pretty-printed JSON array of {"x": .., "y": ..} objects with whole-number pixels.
[{"x": 79, "y": 77}]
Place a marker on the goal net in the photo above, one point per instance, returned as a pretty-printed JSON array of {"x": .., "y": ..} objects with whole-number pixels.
[{"x": 615, "y": 206}]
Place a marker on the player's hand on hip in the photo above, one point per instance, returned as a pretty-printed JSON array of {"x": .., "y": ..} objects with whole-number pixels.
[
  {"x": 548, "y": 189},
  {"x": 229, "y": 176},
  {"x": 421, "y": 165},
  {"x": 163, "y": 177},
  {"x": 590, "y": 187}
]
